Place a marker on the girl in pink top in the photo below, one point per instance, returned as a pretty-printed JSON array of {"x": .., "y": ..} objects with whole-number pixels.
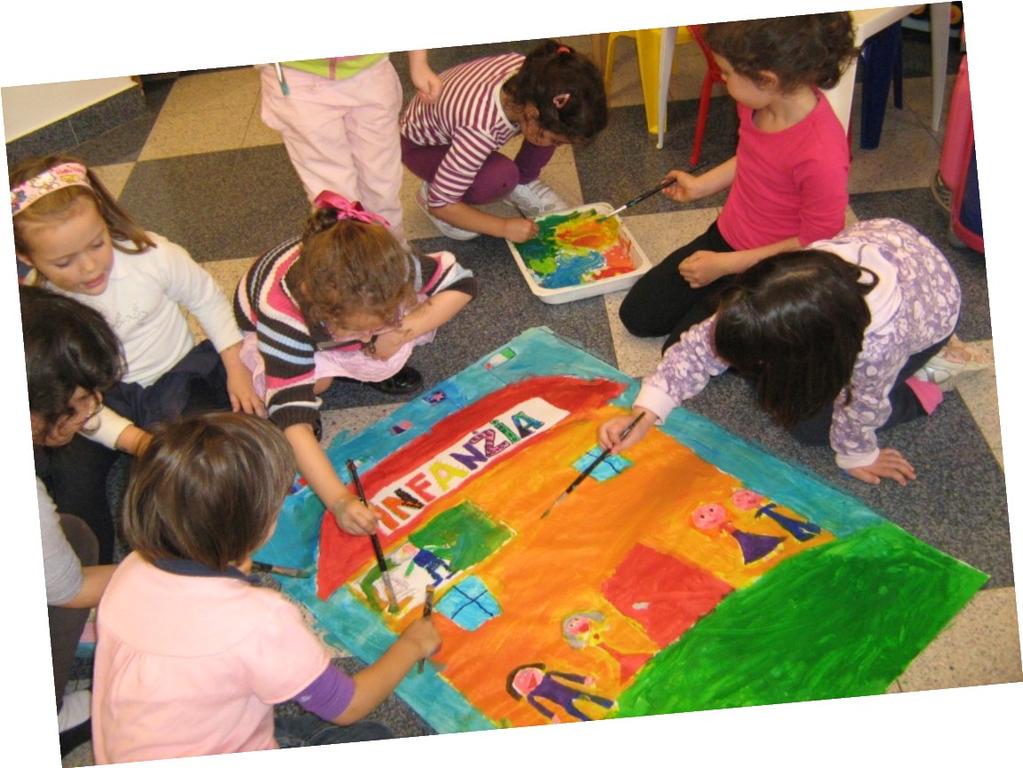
[
  {"x": 787, "y": 179},
  {"x": 192, "y": 655}
]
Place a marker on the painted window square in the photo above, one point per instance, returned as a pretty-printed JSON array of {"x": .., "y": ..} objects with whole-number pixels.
[
  {"x": 610, "y": 467},
  {"x": 469, "y": 604}
]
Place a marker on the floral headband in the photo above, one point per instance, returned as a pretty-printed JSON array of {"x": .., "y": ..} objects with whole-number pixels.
[
  {"x": 50, "y": 180},
  {"x": 346, "y": 209}
]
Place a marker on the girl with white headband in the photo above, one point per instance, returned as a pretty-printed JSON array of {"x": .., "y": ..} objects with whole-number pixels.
[{"x": 80, "y": 243}]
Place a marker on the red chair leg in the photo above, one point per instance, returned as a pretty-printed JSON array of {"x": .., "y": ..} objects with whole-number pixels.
[{"x": 701, "y": 118}]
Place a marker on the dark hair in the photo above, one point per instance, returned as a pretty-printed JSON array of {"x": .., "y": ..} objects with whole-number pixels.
[
  {"x": 794, "y": 323},
  {"x": 57, "y": 205},
  {"x": 208, "y": 488},
  {"x": 349, "y": 266},
  {"x": 67, "y": 345},
  {"x": 801, "y": 50},
  {"x": 566, "y": 88}
]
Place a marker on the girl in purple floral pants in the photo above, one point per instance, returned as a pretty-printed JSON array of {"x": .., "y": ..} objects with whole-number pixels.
[{"x": 831, "y": 337}]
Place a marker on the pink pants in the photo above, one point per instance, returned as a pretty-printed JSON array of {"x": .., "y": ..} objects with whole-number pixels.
[
  {"x": 342, "y": 135},
  {"x": 349, "y": 365}
]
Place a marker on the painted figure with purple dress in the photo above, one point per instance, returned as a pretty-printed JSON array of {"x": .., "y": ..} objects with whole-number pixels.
[
  {"x": 534, "y": 682},
  {"x": 801, "y": 530},
  {"x": 712, "y": 518}
]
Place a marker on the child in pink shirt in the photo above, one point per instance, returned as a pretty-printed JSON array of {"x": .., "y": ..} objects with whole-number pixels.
[
  {"x": 191, "y": 655},
  {"x": 787, "y": 180}
]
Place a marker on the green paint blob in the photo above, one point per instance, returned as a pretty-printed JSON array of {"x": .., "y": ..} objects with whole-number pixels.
[
  {"x": 461, "y": 536},
  {"x": 540, "y": 252},
  {"x": 842, "y": 619}
]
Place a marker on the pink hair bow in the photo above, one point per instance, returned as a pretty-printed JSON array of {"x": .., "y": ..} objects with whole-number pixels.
[{"x": 346, "y": 209}]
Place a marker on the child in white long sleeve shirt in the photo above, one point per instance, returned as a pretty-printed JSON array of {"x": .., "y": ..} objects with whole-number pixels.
[{"x": 80, "y": 243}]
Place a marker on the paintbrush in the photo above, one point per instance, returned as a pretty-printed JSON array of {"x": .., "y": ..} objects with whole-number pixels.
[
  {"x": 392, "y": 599},
  {"x": 280, "y": 570},
  {"x": 427, "y": 610},
  {"x": 593, "y": 465},
  {"x": 639, "y": 198}
]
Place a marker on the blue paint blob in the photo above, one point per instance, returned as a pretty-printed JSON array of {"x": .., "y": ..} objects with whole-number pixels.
[{"x": 571, "y": 271}]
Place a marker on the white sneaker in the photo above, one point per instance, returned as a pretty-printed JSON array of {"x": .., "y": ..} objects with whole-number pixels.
[
  {"x": 442, "y": 226},
  {"x": 535, "y": 199},
  {"x": 74, "y": 710},
  {"x": 955, "y": 358}
]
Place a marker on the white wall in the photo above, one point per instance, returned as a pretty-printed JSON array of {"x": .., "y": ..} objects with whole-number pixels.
[{"x": 30, "y": 107}]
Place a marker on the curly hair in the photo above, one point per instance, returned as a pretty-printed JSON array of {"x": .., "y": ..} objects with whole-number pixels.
[
  {"x": 794, "y": 324},
  {"x": 58, "y": 205},
  {"x": 809, "y": 50},
  {"x": 349, "y": 266},
  {"x": 566, "y": 88}
]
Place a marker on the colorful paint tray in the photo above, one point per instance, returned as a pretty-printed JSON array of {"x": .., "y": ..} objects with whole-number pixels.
[{"x": 575, "y": 256}]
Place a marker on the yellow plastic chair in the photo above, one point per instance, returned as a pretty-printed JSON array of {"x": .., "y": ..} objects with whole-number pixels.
[{"x": 648, "y": 53}]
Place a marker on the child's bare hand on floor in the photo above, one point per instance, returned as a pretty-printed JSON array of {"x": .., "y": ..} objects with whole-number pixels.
[{"x": 890, "y": 464}]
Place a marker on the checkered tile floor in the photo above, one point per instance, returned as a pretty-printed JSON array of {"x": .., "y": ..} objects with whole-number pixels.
[{"x": 202, "y": 169}]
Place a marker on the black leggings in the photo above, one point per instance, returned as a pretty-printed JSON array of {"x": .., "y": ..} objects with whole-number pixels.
[
  {"x": 76, "y": 477},
  {"x": 816, "y": 430},
  {"x": 662, "y": 302}
]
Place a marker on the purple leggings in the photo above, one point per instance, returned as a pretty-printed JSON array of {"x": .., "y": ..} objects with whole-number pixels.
[{"x": 495, "y": 179}]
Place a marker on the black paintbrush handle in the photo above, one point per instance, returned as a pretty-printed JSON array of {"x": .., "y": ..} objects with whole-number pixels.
[
  {"x": 355, "y": 479},
  {"x": 639, "y": 199},
  {"x": 379, "y": 552},
  {"x": 603, "y": 455},
  {"x": 282, "y": 570},
  {"x": 586, "y": 472},
  {"x": 377, "y": 549}
]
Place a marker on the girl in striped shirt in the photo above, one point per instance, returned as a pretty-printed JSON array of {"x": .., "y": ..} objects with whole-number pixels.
[
  {"x": 553, "y": 96},
  {"x": 344, "y": 300}
]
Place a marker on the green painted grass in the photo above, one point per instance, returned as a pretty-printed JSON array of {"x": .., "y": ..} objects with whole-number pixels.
[{"x": 842, "y": 619}]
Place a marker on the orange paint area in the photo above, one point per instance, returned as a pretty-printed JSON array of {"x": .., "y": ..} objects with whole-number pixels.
[{"x": 621, "y": 560}]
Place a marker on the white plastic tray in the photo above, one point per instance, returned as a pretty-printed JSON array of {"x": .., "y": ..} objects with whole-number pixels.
[{"x": 597, "y": 287}]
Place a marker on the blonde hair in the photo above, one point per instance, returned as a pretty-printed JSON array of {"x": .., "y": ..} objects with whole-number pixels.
[
  {"x": 208, "y": 488},
  {"x": 57, "y": 206},
  {"x": 349, "y": 266}
]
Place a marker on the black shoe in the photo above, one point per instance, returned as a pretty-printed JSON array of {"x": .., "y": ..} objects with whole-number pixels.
[
  {"x": 75, "y": 737},
  {"x": 404, "y": 382}
]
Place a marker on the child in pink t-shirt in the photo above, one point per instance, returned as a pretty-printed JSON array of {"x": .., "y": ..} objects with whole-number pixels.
[
  {"x": 191, "y": 655},
  {"x": 787, "y": 180}
]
